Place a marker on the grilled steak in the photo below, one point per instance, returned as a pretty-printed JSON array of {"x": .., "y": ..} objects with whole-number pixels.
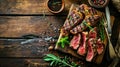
[
  {"x": 82, "y": 48},
  {"x": 75, "y": 41},
  {"x": 100, "y": 46},
  {"x": 90, "y": 20},
  {"x": 91, "y": 49},
  {"x": 74, "y": 17},
  {"x": 87, "y": 10},
  {"x": 75, "y": 23}
]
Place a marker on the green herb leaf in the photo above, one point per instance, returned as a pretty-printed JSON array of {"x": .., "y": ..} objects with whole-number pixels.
[
  {"x": 59, "y": 62},
  {"x": 52, "y": 63},
  {"x": 74, "y": 64},
  {"x": 84, "y": 22},
  {"x": 101, "y": 28},
  {"x": 63, "y": 41},
  {"x": 48, "y": 59},
  {"x": 51, "y": 56}
]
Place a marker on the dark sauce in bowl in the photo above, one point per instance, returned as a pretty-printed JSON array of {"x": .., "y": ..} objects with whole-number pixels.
[
  {"x": 55, "y": 5},
  {"x": 98, "y": 3}
]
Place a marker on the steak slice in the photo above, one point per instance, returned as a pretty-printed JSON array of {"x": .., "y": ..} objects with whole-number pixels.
[
  {"x": 100, "y": 46},
  {"x": 93, "y": 33},
  {"x": 91, "y": 48},
  {"x": 92, "y": 44},
  {"x": 75, "y": 41},
  {"x": 74, "y": 18},
  {"x": 82, "y": 48},
  {"x": 90, "y": 20}
]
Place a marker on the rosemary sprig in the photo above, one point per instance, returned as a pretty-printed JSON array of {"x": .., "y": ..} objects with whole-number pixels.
[
  {"x": 59, "y": 62},
  {"x": 101, "y": 27},
  {"x": 84, "y": 22},
  {"x": 63, "y": 41}
]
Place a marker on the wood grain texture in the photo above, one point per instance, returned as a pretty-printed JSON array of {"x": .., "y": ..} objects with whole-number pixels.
[
  {"x": 18, "y": 26},
  {"x": 11, "y": 62},
  {"x": 31, "y": 48},
  {"x": 29, "y": 6},
  {"x": 35, "y": 48}
]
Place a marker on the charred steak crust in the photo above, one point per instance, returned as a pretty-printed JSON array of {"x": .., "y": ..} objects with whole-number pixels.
[
  {"x": 87, "y": 10},
  {"x": 74, "y": 18},
  {"x": 90, "y": 20}
]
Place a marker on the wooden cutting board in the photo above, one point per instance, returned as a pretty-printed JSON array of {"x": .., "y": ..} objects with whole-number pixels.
[{"x": 97, "y": 59}]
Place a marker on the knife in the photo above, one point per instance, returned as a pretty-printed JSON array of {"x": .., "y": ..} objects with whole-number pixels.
[
  {"x": 108, "y": 19},
  {"x": 111, "y": 49}
]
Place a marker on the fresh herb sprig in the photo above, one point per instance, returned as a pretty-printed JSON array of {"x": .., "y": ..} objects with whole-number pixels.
[
  {"x": 84, "y": 22},
  {"x": 59, "y": 62},
  {"x": 101, "y": 27},
  {"x": 63, "y": 41}
]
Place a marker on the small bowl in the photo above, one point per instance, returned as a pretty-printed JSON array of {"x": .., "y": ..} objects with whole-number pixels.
[
  {"x": 98, "y": 3},
  {"x": 55, "y": 7}
]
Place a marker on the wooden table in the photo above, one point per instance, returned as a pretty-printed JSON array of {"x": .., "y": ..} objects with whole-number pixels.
[{"x": 27, "y": 29}]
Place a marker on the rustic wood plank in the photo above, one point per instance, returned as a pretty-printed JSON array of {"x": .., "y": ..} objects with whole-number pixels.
[
  {"x": 18, "y": 26},
  {"x": 35, "y": 48},
  {"x": 11, "y": 62},
  {"x": 29, "y": 6}
]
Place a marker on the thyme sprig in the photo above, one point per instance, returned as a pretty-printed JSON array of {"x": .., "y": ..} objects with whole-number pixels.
[{"x": 59, "y": 62}]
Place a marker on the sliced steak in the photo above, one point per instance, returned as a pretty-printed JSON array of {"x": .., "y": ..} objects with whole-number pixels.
[
  {"x": 92, "y": 44},
  {"x": 75, "y": 41},
  {"x": 82, "y": 48},
  {"x": 93, "y": 33},
  {"x": 100, "y": 46},
  {"x": 90, "y": 20},
  {"x": 91, "y": 49},
  {"x": 74, "y": 18}
]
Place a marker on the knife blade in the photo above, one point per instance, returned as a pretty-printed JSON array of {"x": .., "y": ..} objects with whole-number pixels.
[{"x": 107, "y": 12}]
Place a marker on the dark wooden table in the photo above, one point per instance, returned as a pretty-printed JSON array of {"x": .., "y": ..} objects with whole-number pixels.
[{"x": 27, "y": 29}]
